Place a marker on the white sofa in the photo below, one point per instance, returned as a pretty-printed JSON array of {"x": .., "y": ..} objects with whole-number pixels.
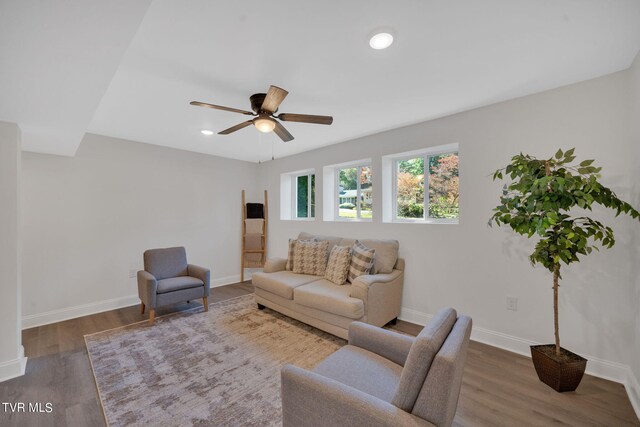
[{"x": 373, "y": 299}]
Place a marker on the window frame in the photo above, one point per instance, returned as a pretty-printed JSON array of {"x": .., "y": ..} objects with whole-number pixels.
[
  {"x": 394, "y": 188},
  {"x": 294, "y": 196},
  {"x": 358, "y": 166},
  {"x": 331, "y": 190},
  {"x": 425, "y": 154}
]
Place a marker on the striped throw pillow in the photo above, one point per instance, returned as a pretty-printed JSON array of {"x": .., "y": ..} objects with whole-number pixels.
[
  {"x": 338, "y": 265},
  {"x": 292, "y": 246},
  {"x": 361, "y": 260},
  {"x": 310, "y": 257}
]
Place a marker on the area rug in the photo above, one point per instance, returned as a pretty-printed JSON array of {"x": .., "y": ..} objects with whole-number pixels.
[{"x": 215, "y": 368}]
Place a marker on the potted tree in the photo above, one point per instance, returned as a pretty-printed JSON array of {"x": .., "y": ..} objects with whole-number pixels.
[{"x": 538, "y": 202}]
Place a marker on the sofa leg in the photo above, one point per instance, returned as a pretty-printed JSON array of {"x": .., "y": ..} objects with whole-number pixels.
[
  {"x": 393, "y": 321},
  {"x": 205, "y": 302},
  {"x": 152, "y": 315},
  {"x": 141, "y": 307},
  {"x": 260, "y": 306}
]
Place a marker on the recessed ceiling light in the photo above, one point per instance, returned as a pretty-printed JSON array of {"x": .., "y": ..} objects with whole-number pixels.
[
  {"x": 381, "y": 41},
  {"x": 207, "y": 132}
]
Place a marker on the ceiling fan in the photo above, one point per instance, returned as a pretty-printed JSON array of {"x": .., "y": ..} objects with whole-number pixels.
[{"x": 264, "y": 106}]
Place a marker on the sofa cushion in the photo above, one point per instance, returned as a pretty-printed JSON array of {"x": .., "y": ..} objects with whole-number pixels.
[
  {"x": 166, "y": 262},
  {"x": 333, "y": 240},
  {"x": 326, "y": 296},
  {"x": 386, "y": 254},
  {"x": 177, "y": 283},
  {"x": 310, "y": 257},
  {"x": 338, "y": 265},
  {"x": 281, "y": 283},
  {"x": 362, "y": 259},
  {"x": 354, "y": 366},
  {"x": 292, "y": 247}
]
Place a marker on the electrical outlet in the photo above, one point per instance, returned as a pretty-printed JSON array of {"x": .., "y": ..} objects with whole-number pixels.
[
  {"x": 132, "y": 274},
  {"x": 512, "y": 303}
]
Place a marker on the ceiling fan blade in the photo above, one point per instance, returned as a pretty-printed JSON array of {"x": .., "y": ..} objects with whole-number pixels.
[
  {"x": 274, "y": 98},
  {"x": 306, "y": 118},
  {"x": 236, "y": 127},
  {"x": 282, "y": 132},
  {"x": 219, "y": 107}
]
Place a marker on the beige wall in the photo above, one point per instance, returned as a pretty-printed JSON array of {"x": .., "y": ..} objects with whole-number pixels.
[
  {"x": 474, "y": 268},
  {"x": 12, "y": 362},
  {"x": 88, "y": 219}
]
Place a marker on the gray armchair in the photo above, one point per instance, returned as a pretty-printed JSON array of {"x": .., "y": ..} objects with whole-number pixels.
[
  {"x": 167, "y": 279},
  {"x": 383, "y": 378}
]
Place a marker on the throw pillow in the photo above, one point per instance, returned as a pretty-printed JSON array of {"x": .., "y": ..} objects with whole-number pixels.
[
  {"x": 292, "y": 244},
  {"x": 361, "y": 260},
  {"x": 338, "y": 265},
  {"x": 310, "y": 257}
]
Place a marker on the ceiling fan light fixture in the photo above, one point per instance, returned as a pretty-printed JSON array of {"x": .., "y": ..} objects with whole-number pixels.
[
  {"x": 264, "y": 124},
  {"x": 206, "y": 132},
  {"x": 381, "y": 40}
]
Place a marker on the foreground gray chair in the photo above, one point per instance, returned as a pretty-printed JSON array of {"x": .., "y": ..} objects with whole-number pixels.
[
  {"x": 383, "y": 378},
  {"x": 167, "y": 279}
]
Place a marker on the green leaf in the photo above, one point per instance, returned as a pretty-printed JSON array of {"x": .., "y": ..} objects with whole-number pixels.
[{"x": 558, "y": 154}]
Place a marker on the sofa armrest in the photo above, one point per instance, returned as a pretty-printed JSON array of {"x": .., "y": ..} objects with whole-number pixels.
[
  {"x": 275, "y": 264},
  {"x": 201, "y": 273},
  {"x": 147, "y": 288},
  {"x": 360, "y": 286},
  {"x": 385, "y": 343},
  {"x": 381, "y": 295},
  {"x": 310, "y": 400}
]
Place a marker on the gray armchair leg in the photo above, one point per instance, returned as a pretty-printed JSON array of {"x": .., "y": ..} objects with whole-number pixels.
[
  {"x": 152, "y": 315},
  {"x": 141, "y": 307}
]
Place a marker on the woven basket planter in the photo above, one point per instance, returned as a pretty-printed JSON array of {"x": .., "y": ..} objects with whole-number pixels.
[{"x": 560, "y": 375}]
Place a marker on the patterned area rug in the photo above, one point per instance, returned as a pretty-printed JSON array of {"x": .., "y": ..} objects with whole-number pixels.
[{"x": 220, "y": 367}]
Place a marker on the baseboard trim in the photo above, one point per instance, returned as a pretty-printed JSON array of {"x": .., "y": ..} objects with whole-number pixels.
[
  {"x": 597, "y": 367},
  {"x": 13, "y": 368},
  {"x": 60, "y": 315},
  {"x": 632, "y": 385}
]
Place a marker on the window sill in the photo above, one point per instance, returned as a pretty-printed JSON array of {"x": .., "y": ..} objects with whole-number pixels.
[
  {"x": 425, "y": 221},
  {"x": 299, "y": 219},
  {"x": 349, "y": 220}
]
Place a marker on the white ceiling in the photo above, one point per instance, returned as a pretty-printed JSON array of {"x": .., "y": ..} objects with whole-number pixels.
[
  {"x": 57, "y": 59},
  {"x": 448, "y": 56}
]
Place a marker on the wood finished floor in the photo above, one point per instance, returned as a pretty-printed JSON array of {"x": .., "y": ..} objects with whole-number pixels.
[{"x": 499, "y": 388}]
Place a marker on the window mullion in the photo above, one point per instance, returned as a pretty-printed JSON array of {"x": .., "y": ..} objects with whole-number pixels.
[
  {"x": 426, "y": 188},
  {"x": 309, "y": 196},
  {"x": 337, "y": 193},
  {"x": 358, "y": 171},
  {"x": 294, "y": 198}
]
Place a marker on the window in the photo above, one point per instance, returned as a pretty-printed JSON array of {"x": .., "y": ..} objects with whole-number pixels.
[
  {"x": 348, "y": 191},
  {"x": 305, "y": 196},
  {"x": 298, "y": 195},
  {"x": 354, "y": 192},
  {"x": 424, "y": 186}
]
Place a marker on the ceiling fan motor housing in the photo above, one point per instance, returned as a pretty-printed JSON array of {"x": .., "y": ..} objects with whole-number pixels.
[{"x": 256, "y": 101}]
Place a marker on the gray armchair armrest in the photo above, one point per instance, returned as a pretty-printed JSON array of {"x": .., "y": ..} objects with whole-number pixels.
[
  {"x": 147, "y": 288},
  {"x": 310, "y": 400},
  {"x": 275, "y": 264},
  {"x": 201, "y": 273},
  {"x": 385, "y": 343}
]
